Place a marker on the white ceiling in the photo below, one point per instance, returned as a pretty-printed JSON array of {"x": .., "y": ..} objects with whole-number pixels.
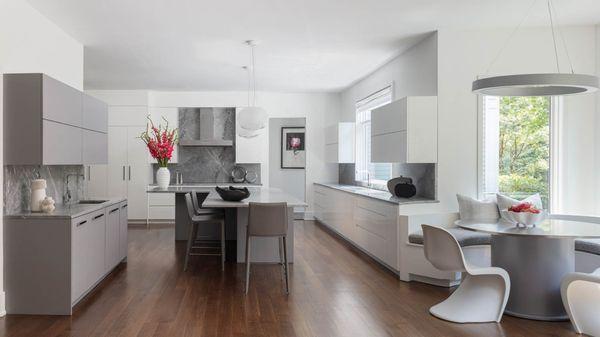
[{"x": 305, "y": 45}]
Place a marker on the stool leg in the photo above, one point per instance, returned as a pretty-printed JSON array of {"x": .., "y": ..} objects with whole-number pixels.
[
  {"x": 247, "y": 262},
  {"x": 223, "y": 245},
  {"x": 285, "y": 261},
  {"x": 280, "y": 244},
  {"x": 191, "y": 238}
]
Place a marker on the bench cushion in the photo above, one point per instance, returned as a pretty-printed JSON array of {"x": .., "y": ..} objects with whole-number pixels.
[
  {"x": 591, "y": 246},
  {"x": 464, "y": 237}
]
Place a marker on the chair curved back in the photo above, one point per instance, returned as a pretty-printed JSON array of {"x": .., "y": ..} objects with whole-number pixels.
[
  {"x": 581, "y": 295},
  {"x": 190, "y": 205},
  {"x": 442, "y": 249},
  {"x": 267, "y": 219}
]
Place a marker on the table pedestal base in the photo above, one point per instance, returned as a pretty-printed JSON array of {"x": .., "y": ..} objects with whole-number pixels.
[{"x": 536, "y": 266}]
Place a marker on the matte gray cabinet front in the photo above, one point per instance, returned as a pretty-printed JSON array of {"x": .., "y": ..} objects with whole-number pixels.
[
  {"x": 95, "y": 147},
  {"x": 62, "y": 144},
  {"x": 95, "y": 114},
  {"x": 45, "y": 121},
  {"x": 61, "y": 103},
  {"x": 123, "y": 231},
  {"x": 112, "y": 257}
]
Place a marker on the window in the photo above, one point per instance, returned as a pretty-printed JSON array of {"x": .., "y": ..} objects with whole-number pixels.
[
  {"x": 374, "y": 174},
  {"x": 516, "y": 146}
]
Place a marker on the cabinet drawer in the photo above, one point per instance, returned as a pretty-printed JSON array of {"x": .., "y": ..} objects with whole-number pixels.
[
  {"x": 95, "y": 114},
  {"x": 381, "y": 208},
  {"x": 161, "y": 199},
  {"x": 161, "y": 212},
  {"x": 389, "y": 148}
]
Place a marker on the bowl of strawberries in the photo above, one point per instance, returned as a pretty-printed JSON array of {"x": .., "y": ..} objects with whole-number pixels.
[{"x": 524, "y": 214}]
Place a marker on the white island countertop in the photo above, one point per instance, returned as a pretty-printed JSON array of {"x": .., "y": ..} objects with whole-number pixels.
[
  {"x": 257, "y": 194},
  {"x": 377, "y": 194}
]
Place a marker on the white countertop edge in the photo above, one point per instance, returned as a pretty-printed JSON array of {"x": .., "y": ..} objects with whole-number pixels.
[{"x": 390, "y": 199}]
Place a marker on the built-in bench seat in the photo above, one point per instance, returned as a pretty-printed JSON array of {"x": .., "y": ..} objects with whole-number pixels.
[
  {"x": 464, "y": 237},
  {"x": 590, "y": 246}
]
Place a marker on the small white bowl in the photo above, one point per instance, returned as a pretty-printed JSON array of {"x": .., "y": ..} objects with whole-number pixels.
[{"x": 526, "y": 219}]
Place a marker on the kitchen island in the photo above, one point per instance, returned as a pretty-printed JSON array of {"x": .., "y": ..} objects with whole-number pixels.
[{"x": 236, "y": 218}]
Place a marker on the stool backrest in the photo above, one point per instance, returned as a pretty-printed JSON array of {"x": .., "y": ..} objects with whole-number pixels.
[
  {"x": 267, "y": 219},
  {"x": 442, "y": 249}
]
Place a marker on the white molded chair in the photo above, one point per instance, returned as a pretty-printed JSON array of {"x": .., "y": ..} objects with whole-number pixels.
[
  {"x": 483, "y": 292},
  {"x": 581, "y": 297}
]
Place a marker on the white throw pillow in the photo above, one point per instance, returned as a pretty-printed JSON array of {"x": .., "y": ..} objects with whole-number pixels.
[
  {"x": 505, "y": 202},
  {"x": 473, "y": 209}
]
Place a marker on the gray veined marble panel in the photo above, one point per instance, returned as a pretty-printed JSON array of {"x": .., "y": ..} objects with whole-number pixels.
[{"x": 17, "y": 183}]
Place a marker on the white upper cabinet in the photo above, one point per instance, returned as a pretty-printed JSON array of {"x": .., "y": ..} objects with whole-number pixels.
[
  {"x": 159, "y": 115},
  {"x": 339, "y": 143},
  {"x": 405, "y": 131}
]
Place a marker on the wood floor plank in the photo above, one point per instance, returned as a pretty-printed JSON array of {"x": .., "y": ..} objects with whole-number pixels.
[{"x": 335, "y": 290}]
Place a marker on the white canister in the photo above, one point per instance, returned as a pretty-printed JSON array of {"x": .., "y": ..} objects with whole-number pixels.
[
  {"x": 163, "y": 177},
  {"x": 38, "y": 193}
]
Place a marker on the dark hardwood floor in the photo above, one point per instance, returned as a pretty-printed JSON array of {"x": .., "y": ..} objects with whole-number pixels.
[{"x": 335, "y": 291}]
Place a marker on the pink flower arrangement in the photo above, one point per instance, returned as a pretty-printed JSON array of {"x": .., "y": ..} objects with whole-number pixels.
[{"x": 160, "y": 141}]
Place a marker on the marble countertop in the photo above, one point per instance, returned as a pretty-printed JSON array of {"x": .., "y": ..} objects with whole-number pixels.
[
  {"x": 377, "y": 194},
  {"x": 213, "y": 200},
  {"x": 186, "y": 188},
  {"x": 67, "y": 211}
]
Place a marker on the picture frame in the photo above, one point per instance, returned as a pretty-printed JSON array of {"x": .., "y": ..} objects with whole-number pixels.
[{"x": 293, "y": 147}]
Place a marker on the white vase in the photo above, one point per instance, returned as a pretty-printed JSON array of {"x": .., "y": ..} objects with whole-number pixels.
[
  {"x": 163, "y": 177},
  {"x": 38, "y": 193}
]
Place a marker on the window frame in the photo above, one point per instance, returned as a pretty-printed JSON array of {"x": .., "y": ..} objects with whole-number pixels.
[
  {"x": 556, "y": 108},
  {"x": 385, "y": 90}
]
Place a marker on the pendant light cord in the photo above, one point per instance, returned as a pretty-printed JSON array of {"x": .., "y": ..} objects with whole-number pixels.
[
  {"x": 553, "y": 36},
  {"x": 505, "y": 44},
  {"x": 562, "y": 37},
  {"x": 253, "y": 75}
]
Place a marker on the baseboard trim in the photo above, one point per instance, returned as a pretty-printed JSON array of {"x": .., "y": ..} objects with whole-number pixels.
[{"x": 309, "y": 215}]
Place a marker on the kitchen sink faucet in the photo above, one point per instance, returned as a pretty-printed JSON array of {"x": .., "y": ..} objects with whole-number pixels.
[{"x": 67, "y": 195}]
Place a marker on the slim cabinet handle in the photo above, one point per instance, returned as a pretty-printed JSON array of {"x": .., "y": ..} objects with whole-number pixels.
[
  {"x": 124, "y": 206},
  {"x": 82, "y": 223},
  {"x": 123, "y": 172},
  {"x": 114, "y": 210},
  {"x": 98, "y": 217},
  {"x": 129, "y": 167}
]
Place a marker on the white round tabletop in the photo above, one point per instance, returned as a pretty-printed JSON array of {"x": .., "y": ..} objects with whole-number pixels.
[{"x": 547, "y": 228}]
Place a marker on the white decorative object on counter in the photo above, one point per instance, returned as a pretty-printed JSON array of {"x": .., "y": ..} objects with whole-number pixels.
[
  {"x": 163, "y": 177},
  {"x": 38, "y": 193},
  {"x": 47, "y": 205},
  {"x": 524, "y": 219}
]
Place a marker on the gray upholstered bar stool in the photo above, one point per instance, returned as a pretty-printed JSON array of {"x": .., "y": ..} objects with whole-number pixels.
[
  {"x": 203, "y": 247},
  {"x": 268, "y": 220}
]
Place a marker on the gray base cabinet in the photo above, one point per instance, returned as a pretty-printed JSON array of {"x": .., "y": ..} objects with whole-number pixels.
[{"x": 51, "y": 263}]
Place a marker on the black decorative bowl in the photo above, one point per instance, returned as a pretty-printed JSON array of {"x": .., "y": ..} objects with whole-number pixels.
[{"x": 233, "y": 193}]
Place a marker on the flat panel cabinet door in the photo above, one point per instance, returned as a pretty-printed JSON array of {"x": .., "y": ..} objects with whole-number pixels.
[
  {"x": 96, "y": 181},
  {"x": 389, "y": 118},
  {"x": 97, "y": 245},
  {"x": 62, "y": 144},
  {"x": 95, "y": 114},
  {"x": 95, "y": 147},
  {"x": 117, "y": 162},
  {"x": 79, "y": 256},
  {"x": 137, "y": 175},
  {"x": 123, "y": 230},
  {"x": 113, "y": 229},
  {"x": 61, "y": 103},
  {"x": 389, "y": 148}
]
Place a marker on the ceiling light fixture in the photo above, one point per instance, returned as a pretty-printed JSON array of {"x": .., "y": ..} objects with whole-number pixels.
[
  {"x": 549, "y": 84},
  {"x": 251, "y": 118}
]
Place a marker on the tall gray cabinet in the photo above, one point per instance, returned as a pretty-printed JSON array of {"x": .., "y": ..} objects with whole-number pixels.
[{"x": 47, "y": 122}]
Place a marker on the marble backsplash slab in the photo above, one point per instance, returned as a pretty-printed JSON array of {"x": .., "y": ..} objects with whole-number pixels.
[
  {"x": 17, "y": 183},
  {"x": 423, "y": 176}
]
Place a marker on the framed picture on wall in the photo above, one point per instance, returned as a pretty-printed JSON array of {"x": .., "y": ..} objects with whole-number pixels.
[{"x": 293, "y": 150}]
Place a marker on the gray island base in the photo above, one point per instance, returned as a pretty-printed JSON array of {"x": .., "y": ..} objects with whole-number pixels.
[{"x": 263, "y": 250}]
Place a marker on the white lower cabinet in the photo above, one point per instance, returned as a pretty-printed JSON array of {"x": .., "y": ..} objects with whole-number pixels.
[
  {"x": 123, "y": 223},
  {"x": 161, "y": 206},
  {"x": 368, "y": 223}
]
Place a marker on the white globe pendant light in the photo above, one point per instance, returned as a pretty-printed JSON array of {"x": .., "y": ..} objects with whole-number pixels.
[
  {"x": 544, "y": 84},
  {"x": 251, "y": 118}
]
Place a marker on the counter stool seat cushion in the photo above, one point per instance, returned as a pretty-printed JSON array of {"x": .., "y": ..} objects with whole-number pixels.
[
  {"x": 464, "y": 237},
  {"x": 591, "y": 246}
]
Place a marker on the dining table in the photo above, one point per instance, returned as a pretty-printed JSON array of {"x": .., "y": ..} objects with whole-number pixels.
[{"x": 537, "y": 258}]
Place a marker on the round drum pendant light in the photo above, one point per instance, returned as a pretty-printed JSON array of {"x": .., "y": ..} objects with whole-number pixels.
[
  {"x": 251, "y": 118},
  {"x": 544, "y": 84},
  {"x": 554, "y": 84}
]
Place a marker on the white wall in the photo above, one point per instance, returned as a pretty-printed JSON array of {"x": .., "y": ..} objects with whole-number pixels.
[
  {"x": 31, "y": 43},
  {"x": 292, "y": 181},
  {"x": 414, "y": 72},
  {"x": 462, "y": 55}
]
